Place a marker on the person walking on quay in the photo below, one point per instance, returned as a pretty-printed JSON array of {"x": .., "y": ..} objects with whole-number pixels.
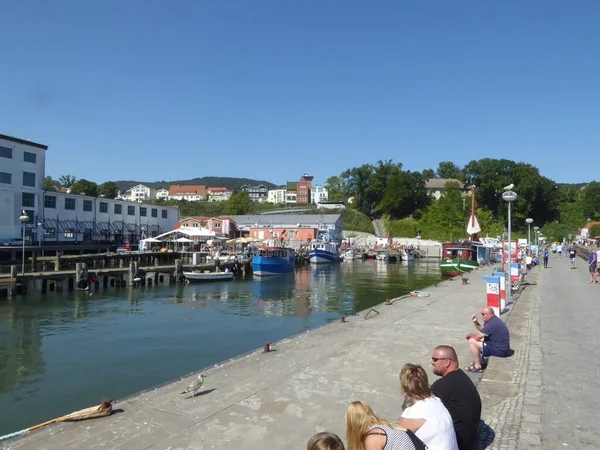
[
  {"x": 573, "y": 255},
  {"x": 546, "y": 256},
  {"x": 592, "y": 263},
  {"x": 493, "y": 339},
  {"x": 458, "y": 394}
]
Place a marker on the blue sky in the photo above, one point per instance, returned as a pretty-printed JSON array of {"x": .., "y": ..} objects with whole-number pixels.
[{"x": 155, "y": 90}]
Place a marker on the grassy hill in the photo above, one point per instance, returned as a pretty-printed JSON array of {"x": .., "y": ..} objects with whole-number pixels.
[{"x": 230, "y": 183}]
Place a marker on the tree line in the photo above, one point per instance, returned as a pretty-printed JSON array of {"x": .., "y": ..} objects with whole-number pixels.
[{"x": 386, "y": 190}]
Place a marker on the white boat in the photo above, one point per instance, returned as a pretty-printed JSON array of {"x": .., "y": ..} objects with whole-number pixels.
[
  {"x": 382, "y": 256},
  {"x": 323, "y": 252},
  {"x": 199, "y": 277},
  {"x": 407, "y": 254},
  {"x": 348, "y": 255}
]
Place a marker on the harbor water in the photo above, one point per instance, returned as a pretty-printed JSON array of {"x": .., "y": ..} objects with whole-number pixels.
[{"x": 64, "y": 351}]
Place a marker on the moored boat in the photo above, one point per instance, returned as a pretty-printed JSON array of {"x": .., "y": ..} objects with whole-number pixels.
[
  {"x": 201, "y": 277},
  {"x": 323, "y": 252},
  {"x": 273, "y": 260},
  {"x": 458, "y": 258}
]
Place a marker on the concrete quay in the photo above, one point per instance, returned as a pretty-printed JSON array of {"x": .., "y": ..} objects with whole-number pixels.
[{"x": 280, "y": 399}]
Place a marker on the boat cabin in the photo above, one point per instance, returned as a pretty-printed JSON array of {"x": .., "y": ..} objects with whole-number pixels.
[
  {"x": 274, "y": 252},
  {"x": 452, "y": 250}
]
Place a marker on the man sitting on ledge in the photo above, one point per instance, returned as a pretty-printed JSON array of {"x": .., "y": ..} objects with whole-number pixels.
[{"x": 491, "y": 340}]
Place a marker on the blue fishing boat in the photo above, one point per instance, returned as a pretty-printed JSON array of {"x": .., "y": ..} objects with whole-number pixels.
[
  {"x": 323, "y": 252},
  {"x": 273, "y": 260}
]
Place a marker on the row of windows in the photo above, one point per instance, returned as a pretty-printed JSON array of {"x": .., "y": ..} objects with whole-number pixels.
[
  {"x": 28, "y": 178},
  {"x": 6, "y": 152},
  {"x": 50, "y": 202}
]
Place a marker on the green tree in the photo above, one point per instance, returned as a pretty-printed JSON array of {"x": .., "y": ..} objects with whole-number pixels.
[
  {"x": 108, "y": 189},
  {"x": 85, "y": 187},
  {"x": 51, "y": 185},
  {"x": 67, "y": 180},
  {"x": 238, "y": 204},
  {"x": 335, "y": 189},
  {"x": 591, "y": 200},
  {"x": 447, "y": 169},
  {"x": 572, "y": 215},
  {"x": 428, "y": 174}
]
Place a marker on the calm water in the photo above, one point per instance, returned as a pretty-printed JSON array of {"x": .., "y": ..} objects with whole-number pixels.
[{"x": 62, "y": 352}]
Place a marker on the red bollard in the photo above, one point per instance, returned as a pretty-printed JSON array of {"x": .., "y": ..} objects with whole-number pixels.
[{"x": 267, "y": 348}]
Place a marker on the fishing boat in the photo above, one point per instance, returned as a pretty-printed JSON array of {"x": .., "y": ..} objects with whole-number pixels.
[
  {"x": 462, "y": 256},
  {"x": 270, "y": 260},
  {"x": 323, "y": 252},
  {"x": 203, "y": 277},
  {"x": 458, "y": 258},
  {"x": 348, "y": 255}
]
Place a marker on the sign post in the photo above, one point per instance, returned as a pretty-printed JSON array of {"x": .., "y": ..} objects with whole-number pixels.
[
  {"x": 502, "y": 277},
  {"x": 493, "y": 293}
]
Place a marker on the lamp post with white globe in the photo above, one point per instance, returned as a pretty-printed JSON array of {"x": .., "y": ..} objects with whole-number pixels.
[
  {"x": 509, "y": 197},
  {"x": 529, "y": 221},
  {"x": 536, "y": 232},
  {"x": 24, "y": 218}
]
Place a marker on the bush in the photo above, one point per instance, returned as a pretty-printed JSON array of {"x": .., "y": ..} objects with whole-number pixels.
[{"x": 355, "y": 221}]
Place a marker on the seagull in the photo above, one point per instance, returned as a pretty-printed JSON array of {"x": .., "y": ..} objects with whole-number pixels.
[
  {"x": 195, "y": 386},
  {"x": 509, "y": 187}
]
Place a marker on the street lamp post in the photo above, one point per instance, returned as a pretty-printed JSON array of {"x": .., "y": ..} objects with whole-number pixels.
[
  {"x": 529, "y": 222},
  {"x": 536, "y": 232},
  {"x": 509, "y": 197},
  {"x": 24, "y": 218}
]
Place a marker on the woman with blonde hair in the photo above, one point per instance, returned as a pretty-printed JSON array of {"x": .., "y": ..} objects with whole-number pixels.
[
  {"x": 366, "y": 431},
  {"x": 428, "y": 418}
]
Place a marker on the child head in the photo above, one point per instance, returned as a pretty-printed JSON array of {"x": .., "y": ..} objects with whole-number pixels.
[{"x": 325, "y": 441}]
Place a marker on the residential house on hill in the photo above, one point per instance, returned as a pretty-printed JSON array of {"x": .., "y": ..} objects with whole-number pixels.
[
  {"x": 435, "y": 187},
  {"x": 257, "y": 193},
  {"x": 162, "y": 194},
  {"x": 137, "y": 193},
  {"x": 187, "y": 192},
  {"x": 303, "y": 188},
  {"x": 218, "y": 194},
  {"x": 291, "y": 192},
  {"x": 319, "y": 194},
  {"x": 276, "y": 196}
]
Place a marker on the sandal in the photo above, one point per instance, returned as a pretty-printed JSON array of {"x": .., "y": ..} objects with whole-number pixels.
[{"x": 474, "y": 369}]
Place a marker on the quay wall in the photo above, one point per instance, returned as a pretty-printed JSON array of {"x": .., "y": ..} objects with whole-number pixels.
[{"x": 282, "y": 397}]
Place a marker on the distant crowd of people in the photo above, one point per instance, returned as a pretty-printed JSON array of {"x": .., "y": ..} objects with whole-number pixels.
[{"x": 443, "y": 416}]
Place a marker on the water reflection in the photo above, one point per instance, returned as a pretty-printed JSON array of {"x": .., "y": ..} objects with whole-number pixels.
[{"x": 116, "y": 336}]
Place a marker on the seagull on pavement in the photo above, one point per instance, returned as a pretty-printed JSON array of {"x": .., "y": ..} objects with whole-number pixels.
[{"x": 195, "y": 386}]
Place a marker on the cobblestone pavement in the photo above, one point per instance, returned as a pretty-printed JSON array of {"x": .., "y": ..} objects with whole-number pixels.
[{"x": 547, "y": 395}]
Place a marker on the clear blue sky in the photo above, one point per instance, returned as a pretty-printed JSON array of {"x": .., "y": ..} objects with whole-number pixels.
[{"x": 156, "y": 90}]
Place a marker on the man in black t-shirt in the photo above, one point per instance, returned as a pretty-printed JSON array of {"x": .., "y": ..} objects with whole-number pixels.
[{"x": 458, "y": 394}]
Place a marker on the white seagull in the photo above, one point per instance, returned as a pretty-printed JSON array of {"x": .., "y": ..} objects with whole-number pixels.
[
  {"x": 509, "y": 187},
  {"x": 195, "y": 386}
]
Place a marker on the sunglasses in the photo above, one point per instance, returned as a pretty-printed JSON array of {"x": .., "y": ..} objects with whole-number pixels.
[{"x": 434, "y": 359}]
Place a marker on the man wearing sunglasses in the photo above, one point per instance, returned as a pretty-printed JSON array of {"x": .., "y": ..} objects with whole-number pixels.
[
  {"x": 491, "y": 340},
  {"x": 458, "y": 394}
]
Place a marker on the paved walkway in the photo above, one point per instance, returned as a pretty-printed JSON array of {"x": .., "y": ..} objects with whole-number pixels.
[
  {"x": 280, "y": 399},
  {"x": 548, "y": 394}
]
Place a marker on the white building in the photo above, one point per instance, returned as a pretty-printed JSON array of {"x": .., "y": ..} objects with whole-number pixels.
[
  {"x": 218, "y": 194},
  {"x": 435, "y": 187},
  {"x": 22, "y": 171},
  {"x": 77, "y": 218},
  {"x": 276, "y": 196},
  {"x": 319, "y": 194},
  {"x": 331, "y": 205},
  {"x": 162, "y": 194},
  {"x": 138, "y": 193},
  {"x": 61, "y": 216},
  {"x": 187, "y": 192}
]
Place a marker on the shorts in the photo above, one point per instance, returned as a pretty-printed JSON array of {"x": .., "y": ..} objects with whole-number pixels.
[
  {"x": 572, "y": 260},
  {"x": 488, "y": 350},
  {"x": 592, "y": 268}
]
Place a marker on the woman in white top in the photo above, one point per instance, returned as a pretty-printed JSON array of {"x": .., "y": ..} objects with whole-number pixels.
[{"x": 427, "y": 417}]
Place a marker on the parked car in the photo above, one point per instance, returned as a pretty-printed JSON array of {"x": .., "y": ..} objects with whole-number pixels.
[{"x": 12, "y": 242}]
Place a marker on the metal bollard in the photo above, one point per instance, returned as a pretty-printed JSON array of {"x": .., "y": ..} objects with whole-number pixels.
[
  {"x": 343, "y": 319},
  {"x": 388, "y": 302},
  {"x": 267, "y": 348}
]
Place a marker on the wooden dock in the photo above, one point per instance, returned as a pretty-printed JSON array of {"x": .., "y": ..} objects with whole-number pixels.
[{"x": 89, "y": 272}]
